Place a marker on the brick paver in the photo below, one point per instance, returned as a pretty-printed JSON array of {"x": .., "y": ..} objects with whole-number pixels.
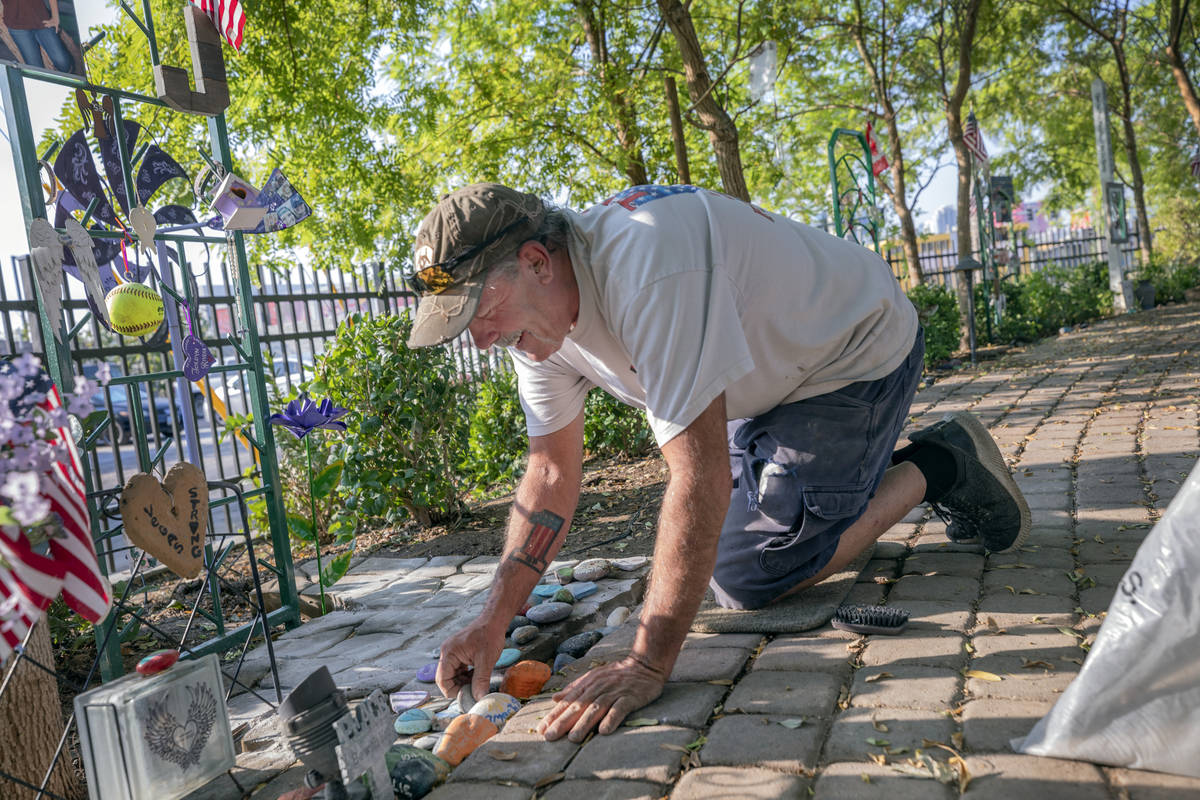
[{"x": 1100, "y": 427}]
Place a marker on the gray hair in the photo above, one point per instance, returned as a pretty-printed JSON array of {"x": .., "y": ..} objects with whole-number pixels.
[{"x": 554, "y": 232}]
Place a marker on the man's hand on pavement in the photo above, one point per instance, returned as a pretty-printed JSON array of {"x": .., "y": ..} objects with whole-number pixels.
[
  {"x": 603, "y": 697},
  {"x": 469, "y": 657}
]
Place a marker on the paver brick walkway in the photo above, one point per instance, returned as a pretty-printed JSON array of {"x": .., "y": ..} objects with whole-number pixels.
[{"x": 1101, "y": 428}]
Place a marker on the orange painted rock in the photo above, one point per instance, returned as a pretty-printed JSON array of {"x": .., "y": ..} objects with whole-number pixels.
[
  {"x": 464, "y": 734},
  {"x": 525, "y": 679}
]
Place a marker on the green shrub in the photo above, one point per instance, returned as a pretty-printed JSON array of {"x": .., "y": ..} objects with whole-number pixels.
[
  {"x": 937, "y": 308},
  {"x": 1170, "y": 280},
  {"x": 497, "y": 445},
  {"x": 407, "y": 421},
  {"x": 611, "y": 428}
]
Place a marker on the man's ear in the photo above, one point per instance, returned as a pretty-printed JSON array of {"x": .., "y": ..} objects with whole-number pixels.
[{"x": 536, "y": 255}]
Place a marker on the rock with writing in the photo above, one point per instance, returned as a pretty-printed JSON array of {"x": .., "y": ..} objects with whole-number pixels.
[
  {"x": 413, "y": 778},
  {"x": 168, "y": 520},
  {"x": 497, "y": 707}
]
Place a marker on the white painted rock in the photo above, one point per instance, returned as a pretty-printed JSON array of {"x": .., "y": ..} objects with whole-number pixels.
[
  {"x": 546, "y": 613},
  {"x": 497, "y": 707},
  {"x": 428, "y": 742},
  {"x": 630, "y": 563},
  {"x": 617, "y": 617},
  {"x": 525, "y": 634},
  {"x": 592, "y": 570}
]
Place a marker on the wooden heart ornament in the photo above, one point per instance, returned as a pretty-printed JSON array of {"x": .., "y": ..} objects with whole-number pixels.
[{"x": 169, "y": 520}]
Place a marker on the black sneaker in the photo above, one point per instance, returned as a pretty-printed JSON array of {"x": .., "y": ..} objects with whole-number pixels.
[{"x": 984, "y": 502}]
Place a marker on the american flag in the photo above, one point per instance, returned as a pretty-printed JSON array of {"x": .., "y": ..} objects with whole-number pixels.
[
  {"x": 879, "y": 161},
  {"x": 229, "y": 18},
  {"x": 973, "y": 139},
  {"x": 32, "y": 580}
]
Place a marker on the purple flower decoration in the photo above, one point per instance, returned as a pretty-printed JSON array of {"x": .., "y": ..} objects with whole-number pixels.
[{"x": 303, "y": 416}]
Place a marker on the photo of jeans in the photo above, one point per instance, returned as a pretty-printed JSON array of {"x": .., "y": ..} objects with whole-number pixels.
[{"x": 32, "y": 42}]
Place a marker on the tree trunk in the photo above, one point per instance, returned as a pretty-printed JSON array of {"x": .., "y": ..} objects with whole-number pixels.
[
  {"x": 31, "y": 723},
  {"x": 624, "y": 119},
  {"x": 1178, "y": 68},
  {"x": 722, "y": 132},
  {"x": 1131, "y": 153}
]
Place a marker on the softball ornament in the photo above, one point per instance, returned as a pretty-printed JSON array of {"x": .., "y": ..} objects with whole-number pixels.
[{"x": 134, "y": 309}]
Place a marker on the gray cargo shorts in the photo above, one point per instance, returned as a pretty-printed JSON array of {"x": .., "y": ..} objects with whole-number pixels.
[{"x": 802, "y": 474}]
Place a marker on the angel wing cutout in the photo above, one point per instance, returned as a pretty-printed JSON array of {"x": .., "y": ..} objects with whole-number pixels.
[
  {"x": 202, "y": 713},
  {"x": 89, "y": 270},
  {"x": 161, "y": 734},
  {"x": 46, "y": 253},
  {"x": 181, "y": 744},
  {"x": 144, "y": 225}
]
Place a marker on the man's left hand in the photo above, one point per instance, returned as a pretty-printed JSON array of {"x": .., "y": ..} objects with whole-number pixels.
[{"x": 603, "y": 697}]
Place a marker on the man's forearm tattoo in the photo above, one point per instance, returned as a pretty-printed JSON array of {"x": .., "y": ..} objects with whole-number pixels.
[{"x": 533, "y": 553}]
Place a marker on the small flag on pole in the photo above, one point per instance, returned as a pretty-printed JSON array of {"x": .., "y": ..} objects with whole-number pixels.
[
  {"x": 973, "y": 139},
  {"x": 879, "y": 161},
  {"x": 229, "y": 18}
]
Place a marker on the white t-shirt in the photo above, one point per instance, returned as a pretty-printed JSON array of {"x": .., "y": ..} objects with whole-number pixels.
[{"x": 685, "y": 293}]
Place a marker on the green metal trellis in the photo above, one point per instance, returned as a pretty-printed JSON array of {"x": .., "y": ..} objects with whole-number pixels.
[
  {"x": 855, "y": 206},
  {"x": 245, "y": 340}
]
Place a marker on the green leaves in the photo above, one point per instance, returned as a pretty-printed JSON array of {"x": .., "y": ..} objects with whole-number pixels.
[
  {"x": 301, "y": 527},
  {"x": 335, "y": 569},
  {"x": 327, "y": 480}
]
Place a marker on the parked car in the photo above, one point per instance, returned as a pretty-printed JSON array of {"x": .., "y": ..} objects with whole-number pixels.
[
  {"x": 231, "y": 388},
  {"x": 168, "y": 417}
]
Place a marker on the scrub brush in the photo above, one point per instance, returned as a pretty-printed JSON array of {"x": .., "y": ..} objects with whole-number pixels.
[{"x": 871, "y": 619}]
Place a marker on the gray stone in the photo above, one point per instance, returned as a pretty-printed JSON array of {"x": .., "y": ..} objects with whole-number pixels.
[
  {"x": 1143, "y": 785},
  {"x": 989, "y": 725},
  {"x": 962, "y": 565},
  {"x": 904, "y": 686},
  {"x": 806, "y": 653},
  {"x": 546, "y": 613},
  {"x": 484, "y": 564},
  {"x": 535, "y": 758},
  {"x": 906, "y": 727},
  {"x": 580, "y": 643},
  {"x": 524, "y": 634},
  {"x": 479, "y": 791},
  {"x": 742, "y": 740},
  {"x": 709, "y": 663},
  {"x": 221, "y": 787},
  {"x": 603, "y": 790},
  {"x": 940, "y": 588},
  {"x": 688, "y": 705},
  {"x": 939, "y": 649},
  {"x": 999, "y": 775},
  {"x": 732, "y": 783},
  {"x": 793, "y": 694},
  {"x": 870, "y": 781},
  {"x": 634, "y": 754},
  {"x": 593, "y": 569},
  {"x": 261, "y": 766},
  {"x": 746, "y": 641}
]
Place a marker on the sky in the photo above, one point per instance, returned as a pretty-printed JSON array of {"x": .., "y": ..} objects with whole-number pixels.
[{"x": 46, "y": 99}]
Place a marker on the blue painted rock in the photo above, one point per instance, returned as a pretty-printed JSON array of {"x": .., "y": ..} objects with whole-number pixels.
[
  {"x": 592, "y": 570},
  {"x": 443, "y": 718},
  {"x": 563, "y": 595},
  {"x": 427, "y": 673},
  {"x": 402, "y": 701},
  {"x": 563, "y": 660},
  {"x": 580, "y": 643},
  {"x": 582, "y": 589},
  {"x": 413, "y": 721},
  {"x": 549, "y": 612},
  {"x": 497, "y": 707},
  {"x": 545, "y": 590},
  {"x": 519, "y": 621},
  {"x": 403, "y": 752},
  {"x": 413, "y": 778},
  {"x": 508, "y": 657},
  {"x": 617, "y": 617},
  {"x": 525, "y": 634}
]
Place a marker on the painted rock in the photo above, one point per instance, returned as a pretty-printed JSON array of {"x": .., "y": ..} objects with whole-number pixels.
[
  {"x": 465, "y": 698},
  {"x": 525, "y": 679},
  {"x": 443, "y": 718},
  {"x": 438, "y": 704},
  {"x": 495, "y": 681},
  {"x": 402, "y": 701},
  {"x": 545, "y": 590},
  {"x": 403, "y": 752},
  {"x": 413, "y": 778},
  {"x": 592, "y": 570},
  {"x": 157, "y": 661},
  {"x": 581, "y": 589},
  {"x": 563, "y": 660},
  {"x": 428, "y": 742},
  {"x": 630, "y": 563},
  {"x": 414, "y": 720},
  {"x": 525, "y": 634},
  {"x": 519, "y": 621},
  {"x": 427, "y": 673},
  {"x": 508, "y": 657},
  {"x": 563, "y": 595},
  {"x": 549, "y": 612},
  {"x": 580, "y": 643},
  {"x": 565, "y": 575},
  {"x": 462, "y": 737},
  {"x": 497, "y": 707},
  {"x": 617, "y": 617}
]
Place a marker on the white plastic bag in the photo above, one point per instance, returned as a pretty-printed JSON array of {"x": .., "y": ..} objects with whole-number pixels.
[{"x": 1136, "y": 702}]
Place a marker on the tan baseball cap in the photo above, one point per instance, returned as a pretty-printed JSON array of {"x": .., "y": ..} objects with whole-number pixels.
[{"x": 464, "y": 234}]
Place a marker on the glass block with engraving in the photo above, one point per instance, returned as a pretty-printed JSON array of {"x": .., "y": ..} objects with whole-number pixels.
[{"x": 157, "y": 737}]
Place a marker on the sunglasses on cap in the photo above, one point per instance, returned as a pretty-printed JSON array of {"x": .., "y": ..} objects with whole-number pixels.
[{"x": 437, "y": 278}]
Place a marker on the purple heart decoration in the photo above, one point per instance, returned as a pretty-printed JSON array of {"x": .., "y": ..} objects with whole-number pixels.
[{"x": 197, "y": 359}]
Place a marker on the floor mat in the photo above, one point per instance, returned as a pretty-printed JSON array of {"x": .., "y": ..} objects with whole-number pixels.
[{"x": 809, "y": 609}]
